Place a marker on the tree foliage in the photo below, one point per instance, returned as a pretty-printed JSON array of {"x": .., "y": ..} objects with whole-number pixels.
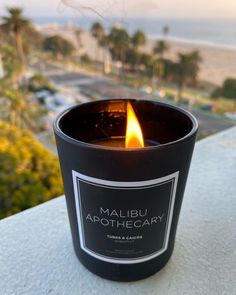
[
  {"x": 188, "y": 66},
  {"x": 132, "y": 58},
  {"x": 119, "y": 42},
  {"x": 98, "y": 32},
  {"x": 138, "y": 39},
  {"x": 29, "y": 174},
  {"x": 16, "y": 24},
  {"x": 18, "y": 109},
  {"x": 11, "y": 63},
  {"x": 58, "y": 46},
  {"x": 165, "y": 30},
  {"x": 160, "y": 48},
  {"x": 228, "y": 89},
  {"x": 185, "y": 70}
]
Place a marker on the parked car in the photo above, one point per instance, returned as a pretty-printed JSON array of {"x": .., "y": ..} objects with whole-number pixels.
[
  {"x": 146, "y": 89},
  {"x": 231, "y": 116}
]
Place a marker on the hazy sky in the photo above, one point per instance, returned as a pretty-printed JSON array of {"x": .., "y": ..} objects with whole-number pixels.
[{"x": 143, "y": 8}]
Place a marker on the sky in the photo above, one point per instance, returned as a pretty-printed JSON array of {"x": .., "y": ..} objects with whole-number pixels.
[{"x": 133, "y": 8}]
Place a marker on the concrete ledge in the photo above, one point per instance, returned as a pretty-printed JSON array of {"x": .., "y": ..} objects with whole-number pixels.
[{"x": 36, "y": 254}]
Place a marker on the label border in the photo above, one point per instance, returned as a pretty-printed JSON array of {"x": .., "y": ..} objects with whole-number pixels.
[{"x": 76, "y": 177}]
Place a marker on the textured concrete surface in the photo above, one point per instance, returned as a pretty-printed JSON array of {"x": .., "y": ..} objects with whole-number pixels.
[{"x": 36, "y": 255}]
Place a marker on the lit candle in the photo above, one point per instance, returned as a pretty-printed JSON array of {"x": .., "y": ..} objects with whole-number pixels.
[
  {"x": 124, "y": 199},
  {"x": 133, "y": 137}
]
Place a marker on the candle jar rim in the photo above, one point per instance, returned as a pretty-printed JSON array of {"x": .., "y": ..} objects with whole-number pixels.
[{"x": 58, "y": 130}]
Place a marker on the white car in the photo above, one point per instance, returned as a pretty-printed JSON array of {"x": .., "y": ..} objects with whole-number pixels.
[
  {"x": 146, "y": 89},
  {"x": 231, "y": 116}
]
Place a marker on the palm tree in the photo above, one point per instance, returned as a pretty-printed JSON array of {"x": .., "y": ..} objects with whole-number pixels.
[
  {"x": 138, "y": 39},
  {"x": 97, "y": 31},
  {"x": 165, "y": 31},
  {"x": 119, "y": 42},
  {"x": 160, "y": 48},
  {"x": 17, "y": 24},
  {"x": 187, "y": 69},
  {"x": 147, "y": 60}
]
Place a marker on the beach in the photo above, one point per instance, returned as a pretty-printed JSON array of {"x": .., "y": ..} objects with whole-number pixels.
[{"x": 218, "y": 63}]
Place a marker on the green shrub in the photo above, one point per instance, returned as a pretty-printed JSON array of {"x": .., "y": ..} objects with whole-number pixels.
[
  {"x": 229, "y": 88},
  {"x": 216, "y": 92},
  {"x": 85, "y": 59},
  {"x": 58, "y": 46},
  {"x": 29, "y": 174}
]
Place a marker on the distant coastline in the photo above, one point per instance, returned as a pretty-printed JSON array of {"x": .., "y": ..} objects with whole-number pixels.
[
  {"x": 218, "y": 62},
  {"x": 193, "y": 42},
  {"x": 214, "y": 33}
]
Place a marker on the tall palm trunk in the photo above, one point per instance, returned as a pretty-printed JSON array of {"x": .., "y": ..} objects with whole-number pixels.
[{"x": 20, "y": 50}]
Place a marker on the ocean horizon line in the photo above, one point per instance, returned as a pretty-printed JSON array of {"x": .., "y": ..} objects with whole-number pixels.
[
  {"x": 212, "y": 33},
  {"x": 192, "y": 41}
]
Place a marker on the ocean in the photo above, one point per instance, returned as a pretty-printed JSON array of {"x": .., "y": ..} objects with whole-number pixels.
[{"x": 212, "y": 32}]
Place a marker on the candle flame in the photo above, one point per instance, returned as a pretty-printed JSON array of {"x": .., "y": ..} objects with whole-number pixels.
[{"x": 134, "y": 136}]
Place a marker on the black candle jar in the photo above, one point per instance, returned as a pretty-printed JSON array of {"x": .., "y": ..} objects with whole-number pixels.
[{"x": 124, "y": 204}]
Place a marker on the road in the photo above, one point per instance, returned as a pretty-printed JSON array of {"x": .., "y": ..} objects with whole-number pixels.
[
  {"x": 85, "y": 86},
  {"x": 102, "y": 87}
]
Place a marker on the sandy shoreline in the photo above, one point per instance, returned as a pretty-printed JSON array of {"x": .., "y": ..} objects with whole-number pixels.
[{"x": 218, "y": 63}]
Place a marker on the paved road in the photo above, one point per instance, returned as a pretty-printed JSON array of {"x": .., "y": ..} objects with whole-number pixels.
[
  {"x": 102, "y": 87},
  {"x": 208, "y": 123},
  {"x": 211, "y": 124}
]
